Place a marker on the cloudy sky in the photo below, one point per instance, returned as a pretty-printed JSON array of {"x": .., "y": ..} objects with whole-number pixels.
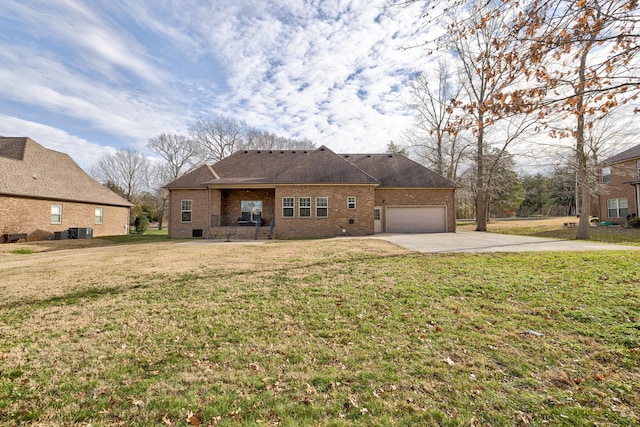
[{"x": 90, "y": 77}]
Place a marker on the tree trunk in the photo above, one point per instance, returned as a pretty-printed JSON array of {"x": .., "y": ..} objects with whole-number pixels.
[
  {"x": 583, "y": 171},
  {"x": 481, "y": 202}
]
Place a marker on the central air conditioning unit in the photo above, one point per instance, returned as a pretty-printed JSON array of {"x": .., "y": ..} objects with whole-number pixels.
[{"x": 81, "y": 233}]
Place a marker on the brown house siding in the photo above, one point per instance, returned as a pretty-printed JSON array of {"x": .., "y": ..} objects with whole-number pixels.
[
  {"x": 33, "y": 216},
  {"x": 355, "y": 222},
  {"x": 418, "y": 197},
  {"x": 618, "y": 187}
]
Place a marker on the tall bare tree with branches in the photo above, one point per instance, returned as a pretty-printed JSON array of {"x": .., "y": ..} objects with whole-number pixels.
[
  {"x": 127, "y": 169},
  {"x": 433, "y": 136}
]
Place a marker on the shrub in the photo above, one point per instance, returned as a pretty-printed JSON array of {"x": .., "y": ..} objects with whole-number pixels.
[
  {"x": 141, "y": 223},
  {"x": 634, "y": 222}
]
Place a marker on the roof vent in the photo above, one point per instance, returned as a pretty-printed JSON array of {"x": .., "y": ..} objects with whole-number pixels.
[
  {"x": 281, "y": 152},
  {"x": 294, "y": 151},
  {"x": 390, "y": 155},
  {"x": 368, "y": 155},
  {"x": 246, "y": 152},
  {"x": 270, "y": 152},
  {"x": 258, "y": 151}
]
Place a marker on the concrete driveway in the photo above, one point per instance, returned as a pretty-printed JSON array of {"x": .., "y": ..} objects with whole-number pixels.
[{"x": 474, "y": 241}]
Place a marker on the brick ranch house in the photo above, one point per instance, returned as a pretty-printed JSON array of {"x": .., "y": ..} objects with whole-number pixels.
[
  {"x": 619, "y": 197},
  {"x": 309, "y": 193},
  {"x": 43, "y": 191}
]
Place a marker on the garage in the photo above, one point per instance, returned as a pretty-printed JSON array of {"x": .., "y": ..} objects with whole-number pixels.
[{"x": 416, "y": 219}]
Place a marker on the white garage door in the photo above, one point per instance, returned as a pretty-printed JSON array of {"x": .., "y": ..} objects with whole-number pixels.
[{"x": 416, "y": 220}]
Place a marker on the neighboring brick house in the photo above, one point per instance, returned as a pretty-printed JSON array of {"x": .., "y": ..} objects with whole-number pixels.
[
  {"x": 44, "y": 191},
  {"x": 310, "y": 193},
  {"x": 620, "y": 186}
]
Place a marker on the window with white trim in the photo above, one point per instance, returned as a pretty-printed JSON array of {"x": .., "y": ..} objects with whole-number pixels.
[
  {"x": 351, "y": 202},
  {"x": 618, "y": 208},
  {"x": 322, "y": 207},
  {"x": 98, "y": 215},
  {"x": 56, "y": 214},
  {"x": 304, "y": 206},
  {"x": 186, "y": 209},
  {"x": 288, "y": 207},
  {"x": 606, "y": 174}
]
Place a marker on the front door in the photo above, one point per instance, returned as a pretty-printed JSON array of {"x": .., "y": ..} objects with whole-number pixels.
[{"x": 377, "y": 220}]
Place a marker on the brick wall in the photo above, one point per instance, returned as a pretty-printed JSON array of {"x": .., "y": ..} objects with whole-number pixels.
[
  {"x": 33, "y": 216},
  {"x": 224, "y": 208},
  {"x": 621, "y": 174},
  {"x": 199, "y": 216},
  {"x": 356, "y": 222},
  {"x": 419, "y": 197},
  {"x": 232, "y": 203}
]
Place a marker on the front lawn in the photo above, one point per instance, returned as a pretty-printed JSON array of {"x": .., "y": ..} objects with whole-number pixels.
[{"x": 332, "y": 332}]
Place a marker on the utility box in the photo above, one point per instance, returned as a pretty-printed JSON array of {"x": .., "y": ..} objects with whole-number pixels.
[
  {"x": 61, "y": 235},
  {"x": 81, "y": 233}
]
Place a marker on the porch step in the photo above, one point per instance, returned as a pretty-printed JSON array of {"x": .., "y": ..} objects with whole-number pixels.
[{"x": 264, "y": 235}]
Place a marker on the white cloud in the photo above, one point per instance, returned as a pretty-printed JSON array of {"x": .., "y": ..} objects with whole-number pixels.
[
  {"x": 82, "y": 151},
  {"x": 332, "y": 71}
]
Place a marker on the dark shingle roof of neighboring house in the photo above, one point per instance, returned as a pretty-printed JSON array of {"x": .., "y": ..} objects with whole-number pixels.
[
  {"x": 27, "y": 169},
  {"x": 318, "y": 166},
  {"x": 631, "y": 153}
]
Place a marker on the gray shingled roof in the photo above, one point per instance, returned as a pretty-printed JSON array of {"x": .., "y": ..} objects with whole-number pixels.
[
  {"x": 319, "y": 166},
  {"x": 631, "y": 153},
  {"x": 27, "y": 169},
  {"x": 194, "y": 179},
  {"x": 398, "y": 171}
]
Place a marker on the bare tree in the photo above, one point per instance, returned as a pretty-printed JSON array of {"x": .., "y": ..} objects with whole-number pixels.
[
  {"x": 479, "y": 43},
  {"x": 126, "y": 169},
  {"x": 433, "y": 136},
  {"x": 261, "y": 140},
  {"x": 178, "y": 151},
  {"x": 218, "y": 138},
  {"x": 162, "y": 174}
]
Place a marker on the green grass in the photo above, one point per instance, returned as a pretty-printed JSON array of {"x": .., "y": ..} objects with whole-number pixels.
[
  {"x": 337, "y": 336},
  {"x": 148, "y": 236},
  {"x": 23, "y": 251}
]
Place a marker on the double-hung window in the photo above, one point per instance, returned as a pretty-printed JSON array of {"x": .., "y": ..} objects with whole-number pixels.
[
  {"x": 606, "y": 174},
  {"x": 304, "y": 204},
  {"x": 186, "y": 208},
  {"x": 288, "y": 207},
  {"x": 351, "y": 202},
  {"x": 98, "y": 215},
  {"x": 322, "y": 207},
  {"x": 618, "y": 208},
  {"x": 56, "y": 214}
]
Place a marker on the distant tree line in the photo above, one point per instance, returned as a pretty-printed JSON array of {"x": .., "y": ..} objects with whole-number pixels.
[{"x": 140, "y": 180}]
